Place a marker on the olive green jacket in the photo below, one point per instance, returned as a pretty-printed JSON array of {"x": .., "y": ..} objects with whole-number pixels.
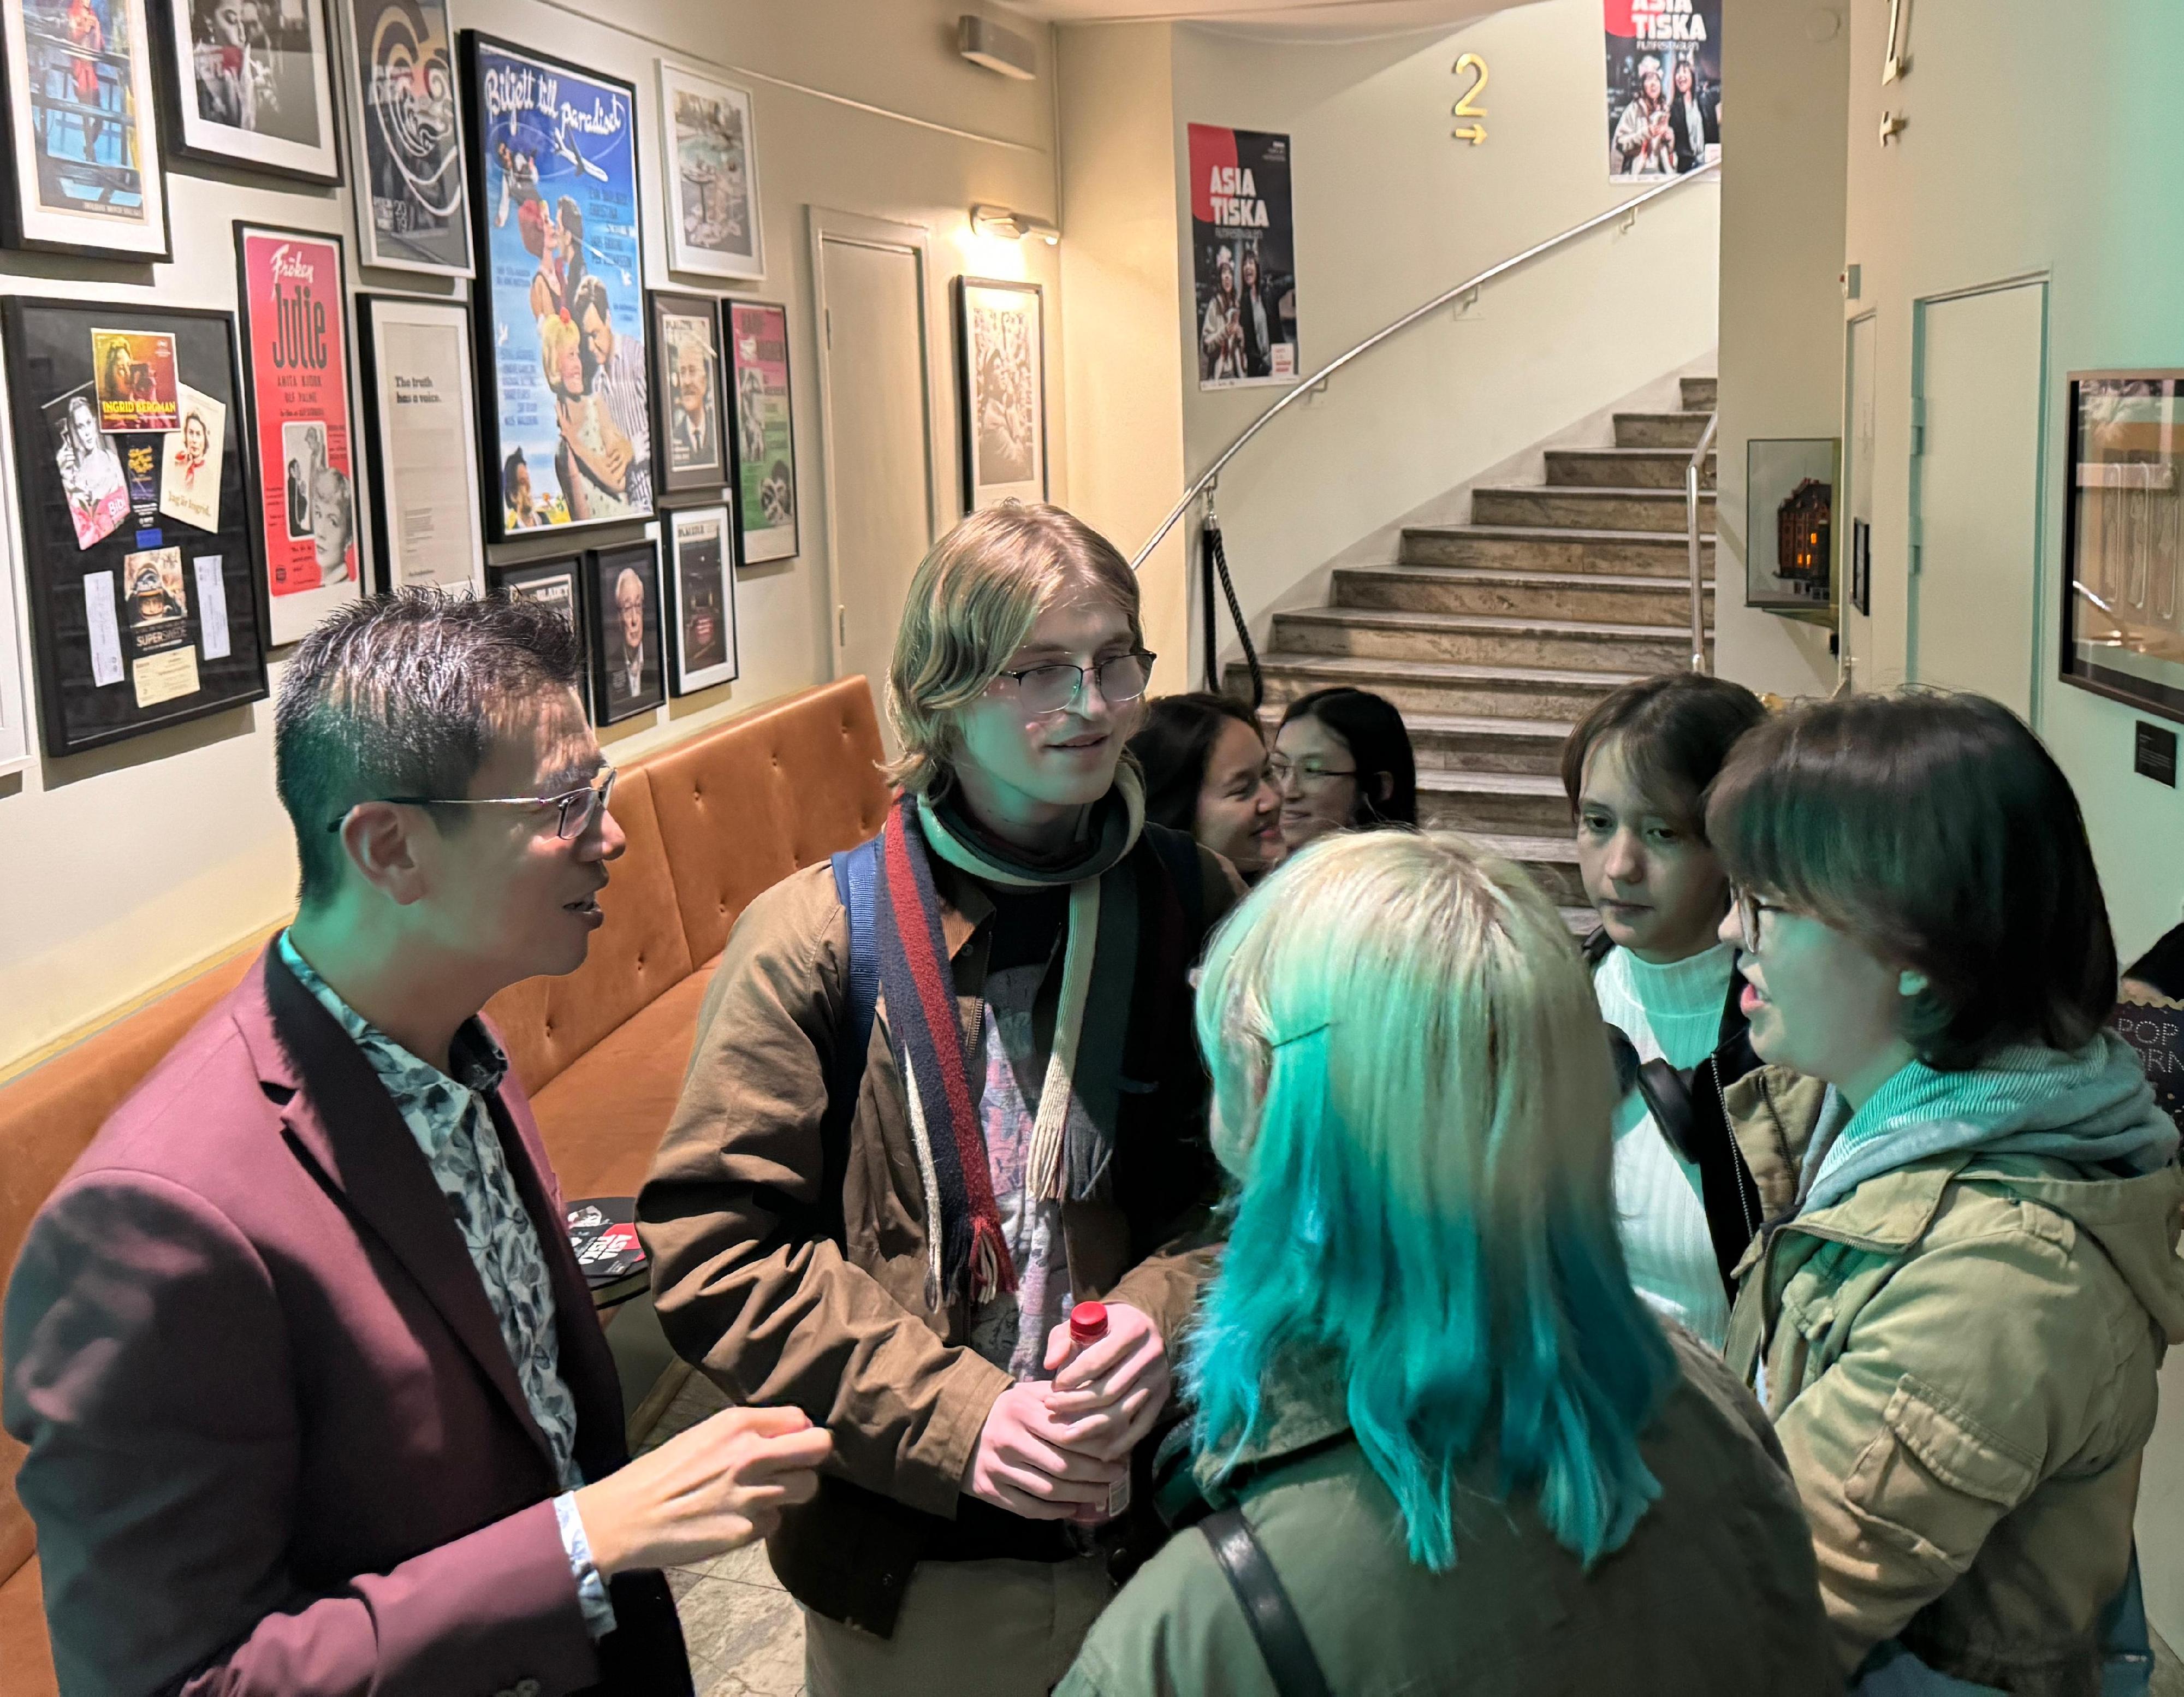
[
  {"x": 1959, "y": 1358},
  {"x": 1712, "y": 1595}
]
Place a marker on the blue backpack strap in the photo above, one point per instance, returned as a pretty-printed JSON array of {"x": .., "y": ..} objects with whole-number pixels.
[{"x": 857, "y": 877}]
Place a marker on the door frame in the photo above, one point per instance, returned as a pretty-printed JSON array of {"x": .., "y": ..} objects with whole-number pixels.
[
  {"x": 2043, "y": 619},
  {"x": 859, "y": 230}
]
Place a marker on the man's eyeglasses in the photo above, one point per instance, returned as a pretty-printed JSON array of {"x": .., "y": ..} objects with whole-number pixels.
[
  {"x": 1309, "y": 774},
  {"x": 574, "y": 811},
  {"x": 1750, "y": 910},
  {"x": 1050, "y": 689}
]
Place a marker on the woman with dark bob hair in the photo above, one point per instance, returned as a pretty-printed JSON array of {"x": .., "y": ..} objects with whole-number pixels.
[
  {"x": 1205, "y": 761},
  {"x": 1955, "y": 1313},
  {"x": 1343, "y": 759}
]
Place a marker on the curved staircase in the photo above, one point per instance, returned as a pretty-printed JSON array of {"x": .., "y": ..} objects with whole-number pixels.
[{"x": 1493, "y": 636}]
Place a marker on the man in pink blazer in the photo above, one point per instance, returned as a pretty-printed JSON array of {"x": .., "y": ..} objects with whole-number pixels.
[{"x": 314, "y": 1397}]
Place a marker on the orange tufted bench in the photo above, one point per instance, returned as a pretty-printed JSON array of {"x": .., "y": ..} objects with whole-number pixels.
[{"x": 712, "y": 821}]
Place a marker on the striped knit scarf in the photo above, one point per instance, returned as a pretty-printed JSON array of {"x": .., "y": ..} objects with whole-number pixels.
[{"x": 941, "y": 1074}]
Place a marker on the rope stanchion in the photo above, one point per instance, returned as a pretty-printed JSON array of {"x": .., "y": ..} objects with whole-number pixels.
[{"x": 1214, "y": 562}]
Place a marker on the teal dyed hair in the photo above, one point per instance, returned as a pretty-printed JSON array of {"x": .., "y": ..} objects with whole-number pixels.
[{"x": 1412, "y": 1090}]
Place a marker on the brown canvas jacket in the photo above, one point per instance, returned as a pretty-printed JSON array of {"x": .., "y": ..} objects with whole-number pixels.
[
  {"x": 1959, "y": 1357},
  {"x": 754, "y": 1284}
]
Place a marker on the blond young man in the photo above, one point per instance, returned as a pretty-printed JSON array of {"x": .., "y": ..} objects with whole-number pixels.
[{"x": 1027, "y": 1130}]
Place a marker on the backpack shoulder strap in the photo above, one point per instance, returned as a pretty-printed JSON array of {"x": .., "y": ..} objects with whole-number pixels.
[
  {"x": 856, "y": 875},
  {"x": 1273, "y": 1620}
]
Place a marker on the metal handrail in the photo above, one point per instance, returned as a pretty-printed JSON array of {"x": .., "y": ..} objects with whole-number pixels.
[
  {"x": 1691, "y": 475},
  {"x": 1311, "y": 385}
]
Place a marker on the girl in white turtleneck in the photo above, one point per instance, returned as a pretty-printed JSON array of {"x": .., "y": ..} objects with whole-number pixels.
[{"x": 1637, "y": 770}]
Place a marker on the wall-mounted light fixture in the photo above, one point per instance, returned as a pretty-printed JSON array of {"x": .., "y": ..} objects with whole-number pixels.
[
  {"x": 984, "y": 42},
  {"x": 1000, "y": 220}
]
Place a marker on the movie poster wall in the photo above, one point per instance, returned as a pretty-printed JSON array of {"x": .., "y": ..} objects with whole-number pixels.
[
  {"x": 565, "y": 391},
  {"x": 1243, "y": 241},
  {"x": 1663, "y": 87}
]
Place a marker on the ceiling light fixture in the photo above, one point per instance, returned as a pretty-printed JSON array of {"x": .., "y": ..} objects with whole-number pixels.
[{"x": 1002, "y": 220}]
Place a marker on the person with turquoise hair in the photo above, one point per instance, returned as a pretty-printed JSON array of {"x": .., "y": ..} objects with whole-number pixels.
[{"x": 1430, "y": 1410}]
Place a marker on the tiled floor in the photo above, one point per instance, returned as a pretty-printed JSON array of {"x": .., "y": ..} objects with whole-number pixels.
[{"x": 745, "y": 1635}]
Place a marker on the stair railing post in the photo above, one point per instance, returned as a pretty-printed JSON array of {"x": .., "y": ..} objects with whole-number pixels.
[
  {"x": 1209, "y": 543},
  {"x": 1692, "y": 474}
]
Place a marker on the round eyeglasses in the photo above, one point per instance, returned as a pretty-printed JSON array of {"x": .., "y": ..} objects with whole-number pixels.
[
  {"x": 574, "y": 809},
  {"x": 1057, "y": 684},
  {"x": 1309, "y": 774}
]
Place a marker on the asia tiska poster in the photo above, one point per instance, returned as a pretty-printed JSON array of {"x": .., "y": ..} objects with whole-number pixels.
[
  {"x": 1243, "y": 257},
  {"x": 566, "y": 401},
  {"x": 1663, "y": 87},
  {"x": 765, "y": 431},
  {"x": 296, "y": 378}
]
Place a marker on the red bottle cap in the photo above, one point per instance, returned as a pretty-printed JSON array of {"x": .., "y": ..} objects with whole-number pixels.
[{"x": 1088, "y": 1322}]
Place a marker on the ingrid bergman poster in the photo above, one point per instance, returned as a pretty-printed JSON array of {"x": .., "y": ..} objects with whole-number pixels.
[
  {"x": 562, "y": 360},
  {"x": 1663, "y": 87},
  {"x": 1243, "y": 255}
]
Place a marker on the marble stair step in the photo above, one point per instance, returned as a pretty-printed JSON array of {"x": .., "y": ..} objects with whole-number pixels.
[
  {"x": 1486, "y": 639},
  {"x": 1471, "y": 742},
  {"x": 1624, "y": 467},
  {"x": 1659, "y": 430},
  {"x": 1556, "y": 548},
  {"x": 1524, "y": 804},
  {"x": 1700, "y": 394},
  {"x": 1589, "y": 509},
  {"x": 1437, "y": 686},
  {"x": 1614, "y": 597},
  {"x": 1551, "y": 860}
]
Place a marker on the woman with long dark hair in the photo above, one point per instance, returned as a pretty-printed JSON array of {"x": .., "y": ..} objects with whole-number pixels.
[
  {"x": 1343, "y": 759},
  {"x": 1205, "y": 763}
]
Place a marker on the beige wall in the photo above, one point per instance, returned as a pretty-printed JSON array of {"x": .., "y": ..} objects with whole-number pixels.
[
  {"x": 1390, "y": 211},
  {"x": 1119, "y": 264},
  {"x": 125, "y": 866},
  {"x": 1785, "y": 81}
]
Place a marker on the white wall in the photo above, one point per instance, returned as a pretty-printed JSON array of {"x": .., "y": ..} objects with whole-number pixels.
[
  {"x": 1785, "y": 81},
  {"x": 1390, "y": 211},
  {"x": 126, "y": 866}
]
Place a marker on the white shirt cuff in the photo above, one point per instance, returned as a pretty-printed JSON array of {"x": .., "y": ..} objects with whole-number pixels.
[{"x": 590, "y": 1588}]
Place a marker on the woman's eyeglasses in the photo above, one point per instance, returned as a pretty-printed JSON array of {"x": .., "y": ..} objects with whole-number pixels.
[
  {"x": 1750, "y": 912},
  {"x": 574, "y": 811},
  {"x": 1309, "y": 774},
  {"x": 1050, "y": 689}
]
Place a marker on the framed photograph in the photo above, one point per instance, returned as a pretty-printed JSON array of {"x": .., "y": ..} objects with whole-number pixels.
[
  {"x": 685, "y": 388},
  {"x": 1001, "y": 384},
  {"x": 2123, "y": 539},
  {"x": 84, "y": 172},
  {"x": 622, "y": 593},
  {"x": 14, "y": 713},
  {"x": 561, "y": 360},
  {"x": 559, "y": 583},
  {"x": 1789, "y": 508},
  {"x": 428, "y": 526},
  {"x": 293, "y": 290},
  {"x": 701, "y": 600},
  {"x": 765, "y": 432},
  {"x": 140, "y": 569},
  {"x": 406, "y": 136},
  {"x": 250, "y": 82},
  {"x": 710, "y": 151},
  {"x": 1861, "y": 567}
]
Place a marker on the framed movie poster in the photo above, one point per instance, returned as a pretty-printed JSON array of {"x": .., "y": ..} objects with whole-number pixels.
[
  {"x": 1001, "y": 385},
  {"x": 559, "y": 583},
  {"x": 710, "y": 149},
  {"x": 406, "y": 136},
  {"x": 685, "y": 385},
  {"x": 701, "y": 600},
  {"x": 1789, "y": 538},
  {"x": 622, "y": 593},
  {"x": 139, "y": 564},
  {"x": 1243, "y": 258},
  {"x": 84, "y": 165},
  {"x": 250, "y": 82},
  {"x": 15, "y": 717},
  {"x": 295, "y": 338},
  {"x": 765, "y": 428},
  {"x": 1663, "y": 87},
  {"x": 2123, "y": 539},
  {"x": 420, "y": 409},
  {"x": 561, "y": 356}
]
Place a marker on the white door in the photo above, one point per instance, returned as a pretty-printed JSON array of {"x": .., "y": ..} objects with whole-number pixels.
[
  {"x": 870, "y": 280},
  {"x": 1977, "y": 380}
]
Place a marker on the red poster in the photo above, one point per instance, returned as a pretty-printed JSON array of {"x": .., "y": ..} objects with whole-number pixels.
[{"x": 295, "y": 339}]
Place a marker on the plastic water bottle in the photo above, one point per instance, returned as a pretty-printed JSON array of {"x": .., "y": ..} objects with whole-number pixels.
[{"x": 1088, "y": 1325}]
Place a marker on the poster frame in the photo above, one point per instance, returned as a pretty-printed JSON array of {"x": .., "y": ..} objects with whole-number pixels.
[
  {"x": 14, "y": 670},
  {"x": 1278, "y": 345},
  {"x": 1764, "y": 491},
  {"x": 370, "y": 310},
  {"x": 502, "y": 580},
  {"x": 681, "y": 255},
  {"x": 23, "y": 222},
  {"x": 666, "y": 481},
  {"x": 191, "y": 136},
  {"x": 370, "y": 253},
  {"x": 239, "y": 529},
  {"x": 599, "y": 560},
  {"x": 976, "y": 494},
  {"x": 486, "y": 334},
  {"x": 681, "y": 680},
  {"x": 288, "y": 623},
  {"x": 767, "y": 550}
]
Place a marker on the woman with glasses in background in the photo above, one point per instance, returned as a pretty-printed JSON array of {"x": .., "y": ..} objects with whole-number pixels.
[
  {"x": 1343, "y": 760},
  {"x": 1205, "y": 764},
  {"x": 913, "y": 1134},
  {"x": 1955, "y": 1314}
]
